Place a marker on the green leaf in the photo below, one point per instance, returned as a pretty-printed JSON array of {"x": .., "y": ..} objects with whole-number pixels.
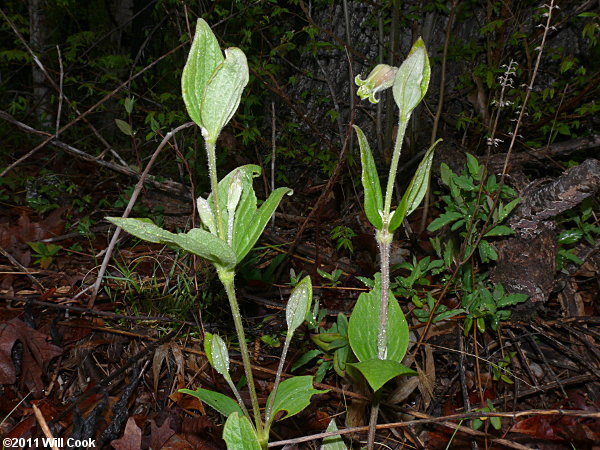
[
  {"x": 412, "y": 79},
  {"x": 487, "y": 252},
  {"x": 143, "y": 229},
  {"x": 124, "y": 127},
  {"x": 570, "y": 236},
  {"x": 298, "y": 304},
  {"x": 473, "y": 166},
  {"x": 512, "y": 299},
  {"x": 222, "y": 94},
  {"x": 444, "y": 219},
  {"x": 205, "y": 55},
  {"x": 204, "y": 244},
  {"x": 216, "y": 400},
  {"x": 239, "y": 433},
  {"x": 292, "y": 396},
  {"x": 363, "y": 328},
  {"x": 246, "y": 234},
  {"x": 500, "y": 230},
  {"x": 306, "y": 358},
  {"x": 379, "y": 371},
  {"x": 446, "y": 174},
  {"x": 416, "y": 190},
  {"x": 370, "y": 181},
  {"x": 333, "y": 442},
  {"x": 219, "y": 355}
]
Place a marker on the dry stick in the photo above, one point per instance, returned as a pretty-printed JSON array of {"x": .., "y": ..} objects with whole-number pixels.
[
  {"x": 527, "y": 93},
  {"x": 90, "y": 109},
  {"x": 273, "y": 155},
  {"x": 440, "y": 106},
  {"x": 21, "y": 267},
  {"x": 44, "y": 425},
  {"x": 445, "y": 421},
  {"x": 58, "y": 88},
  {"x": 132, "y": 201},
  {"x": 169, "y": 186}
]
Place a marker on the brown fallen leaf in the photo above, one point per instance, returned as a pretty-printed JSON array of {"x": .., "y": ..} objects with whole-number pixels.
[
  {"x": 132, "y": 437},
  {"x": 160, "y": 435},
  {"x": 37, "y": 353}
]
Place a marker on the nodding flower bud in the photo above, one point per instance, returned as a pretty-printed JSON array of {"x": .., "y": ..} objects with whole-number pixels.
[
  {"x": 206, "y": 215},
  {"x": 381, "y": 78}
]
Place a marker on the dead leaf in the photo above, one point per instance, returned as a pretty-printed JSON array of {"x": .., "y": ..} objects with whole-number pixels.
[
  {"x": 37, "y": 353},
  {"x": 160, "y": 435},
  {"x": 132, "y": 437}
]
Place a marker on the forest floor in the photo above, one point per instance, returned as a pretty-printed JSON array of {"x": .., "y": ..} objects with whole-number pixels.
[{"x": 108, "y": 369}]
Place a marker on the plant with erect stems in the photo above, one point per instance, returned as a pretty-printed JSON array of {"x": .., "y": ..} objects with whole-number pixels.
[
  {"x": 212, "y": 86},
  {"x": 378, "y": 331}
]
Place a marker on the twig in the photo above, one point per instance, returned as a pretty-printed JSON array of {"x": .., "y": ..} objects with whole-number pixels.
[
  {"x": 20, "y": 266},
  {"x": 44, "y": 425},
  {"x": 90, "y": 109},
  {"x": 515, "y": 133},
  {"x": 132, "y": 201},
  {"x": 445, "y": 421},
  {"x": 273, "y": 154}
]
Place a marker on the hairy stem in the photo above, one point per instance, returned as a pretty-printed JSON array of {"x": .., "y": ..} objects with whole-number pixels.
[
  {"x": 214, "y": 184},
  {"x": 226, "y": 278},
  {"x": 387, "y": 204}
]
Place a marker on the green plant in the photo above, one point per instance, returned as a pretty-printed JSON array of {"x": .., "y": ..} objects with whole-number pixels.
[
  {"x": 212, "y": 86},
  {"x": 333, "y": 350},
  {"x": 495, "y": 421},
  {"x": 485, "y": 303},
  {"x": 580, "y": 225},
  {"x": 501, "y": 371},
  {"x": 333, "y": 278},
  {"x": 474, "y": 218},
  {"x": 379, "y": 348},
  {"x": 44, "y": 253},
  {"x": 343, "y": 238}
]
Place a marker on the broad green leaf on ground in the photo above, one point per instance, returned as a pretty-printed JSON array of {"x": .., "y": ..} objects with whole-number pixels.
[
  {"x": 363, "y": 328},
  {"x": 293, "y": 395},
  {"x": 379, "y": 371},
  {"x": 204, "y": 244},
  {"x": 239, "y": 434}
]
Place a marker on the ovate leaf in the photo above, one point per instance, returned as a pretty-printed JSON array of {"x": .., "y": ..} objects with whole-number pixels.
[
  {"x": 370, "y": 181},
  {"x": 205, "y": 55},
  {"x": 293, "y": 395},
  {"x": 239, "y": 433},
  {"x": 223, "y": 92},
  {"x": 204, "y": 244},
  {"x": 412, "y": 80},
  {"x": 217, "y": 354},
  {"x": 377, "y": 372},
  {"x": 298, "y": 304},
  {"x": 143, "y": 229},
  {"x": 363, "y": 328}
]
